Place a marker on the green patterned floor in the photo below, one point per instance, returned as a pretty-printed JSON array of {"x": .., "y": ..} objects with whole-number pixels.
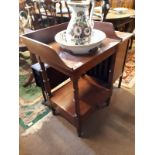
[{"x": 30, "y": 108}]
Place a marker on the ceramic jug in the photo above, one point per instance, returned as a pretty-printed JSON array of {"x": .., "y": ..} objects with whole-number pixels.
[{"x": 80, "y": 27}]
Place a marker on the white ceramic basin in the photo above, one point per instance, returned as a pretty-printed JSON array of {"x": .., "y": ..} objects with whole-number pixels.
[{"x": 96, "y": 39}]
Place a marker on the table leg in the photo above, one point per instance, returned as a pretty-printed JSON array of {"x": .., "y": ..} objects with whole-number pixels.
[
  {"x": 120, "y": 81},
  {"x": 77, "y": 108},
  {"x": 110, "y": 77},
  {"x": 121, "y": 77}
]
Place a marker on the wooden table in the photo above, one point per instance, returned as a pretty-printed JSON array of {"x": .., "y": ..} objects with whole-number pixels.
[
  {"x": 122, "y": 21},
  {"x": 81, "y": 94},
  {"x": 112, "y": 14}
]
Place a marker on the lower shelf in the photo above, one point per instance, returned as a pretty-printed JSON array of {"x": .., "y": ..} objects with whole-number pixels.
[{"x": 91, "y": 95}]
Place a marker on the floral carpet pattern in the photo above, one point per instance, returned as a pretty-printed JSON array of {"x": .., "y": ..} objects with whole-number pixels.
[
  {"x": 31, "y": 110},
  {"x": 129, "y": 70}
]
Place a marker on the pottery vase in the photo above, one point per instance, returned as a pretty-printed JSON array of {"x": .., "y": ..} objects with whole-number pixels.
[{"x": 80, "y": 27}]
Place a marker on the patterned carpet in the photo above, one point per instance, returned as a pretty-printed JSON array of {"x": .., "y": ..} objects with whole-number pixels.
[
  {"x": 128, "y": 80},
  {"x": 30, "y": 108},
  {"x": 129, "y": 70}
]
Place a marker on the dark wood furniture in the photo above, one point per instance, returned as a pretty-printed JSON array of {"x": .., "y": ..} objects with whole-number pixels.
[
  {"x": 81, "y": 93},
  {"x": 101, "y": 70},
  {"x": 112, "y": 14},
  {"x": 47, "y": 11},
  {"x": 55, "y": 78},
  {"x": 121, "y": 56},
  {"x": 126, "y": 23}
]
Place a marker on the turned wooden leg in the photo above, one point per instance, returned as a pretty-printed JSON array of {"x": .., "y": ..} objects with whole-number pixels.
[
  {"x": 47, "y": 89},
  {"x": 121, "y": 77},
  {"x": 44, "y": 102},
  {"x": 77, "y": 106},
  {"x": 79, "y": 130}
]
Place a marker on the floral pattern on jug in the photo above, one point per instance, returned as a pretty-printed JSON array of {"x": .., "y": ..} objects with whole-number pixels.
[{"x": 80, "y": 27}]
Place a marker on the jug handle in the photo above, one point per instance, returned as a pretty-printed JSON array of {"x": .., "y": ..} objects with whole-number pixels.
[{"x": 92, "y": 9}]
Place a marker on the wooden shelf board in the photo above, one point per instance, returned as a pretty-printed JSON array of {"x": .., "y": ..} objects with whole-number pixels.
[{"x": 90, "y": 95}]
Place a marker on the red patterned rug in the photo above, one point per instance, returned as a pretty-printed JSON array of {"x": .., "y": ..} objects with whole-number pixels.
[
  {"x": 129, "y": 70},
  {"x": 128, "y": 80}
]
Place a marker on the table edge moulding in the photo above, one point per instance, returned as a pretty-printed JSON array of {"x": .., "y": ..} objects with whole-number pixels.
[{"x": 83, "y": 93}]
